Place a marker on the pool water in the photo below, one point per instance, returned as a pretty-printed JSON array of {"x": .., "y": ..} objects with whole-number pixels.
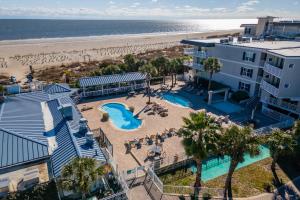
[
  {"x": 227, "y": 107},
  {"x": 215, "y": 167},
  {"x": 176, "y": 99},
  {"x": 121, "y": 117}
]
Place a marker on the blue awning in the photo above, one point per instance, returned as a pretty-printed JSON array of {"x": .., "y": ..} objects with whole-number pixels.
[{"x": 108, "y": 79}]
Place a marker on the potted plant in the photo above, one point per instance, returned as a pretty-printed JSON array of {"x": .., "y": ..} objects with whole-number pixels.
[{"x": 105, "y": 117}]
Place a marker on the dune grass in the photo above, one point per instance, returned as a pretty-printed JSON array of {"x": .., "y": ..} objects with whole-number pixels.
[{"x": 247, "y": 181}]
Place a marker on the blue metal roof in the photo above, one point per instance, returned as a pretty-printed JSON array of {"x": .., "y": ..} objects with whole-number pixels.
[
  {"x": 16, "y": 149},
  {"x": 108, "y": 79},
  {"x": 66, "y": 149},
  {"x": 23, "y": 114},
  {"x": 69, "y": 144},
  {"x": 56, "y": 88}
]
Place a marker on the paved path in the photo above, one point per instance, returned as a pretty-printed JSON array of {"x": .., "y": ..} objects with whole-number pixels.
[{"x": 139, "y": 193}]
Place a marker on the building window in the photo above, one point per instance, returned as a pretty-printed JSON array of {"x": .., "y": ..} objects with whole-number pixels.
[
  {"x": 247, "y": 30},
  {"x": 286, "y": 85},
  {"x": 291, "y": 65},
  {"x": 246, "y": 72},
  {"x": 249, "y": 56},
  {"x": 244, "y": 86}
]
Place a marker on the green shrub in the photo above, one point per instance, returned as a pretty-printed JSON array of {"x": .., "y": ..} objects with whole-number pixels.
[
  {"x": 181, "y": 197},
  {"x": 105, "y": 117},
  {"x": 206, "y": 196},
  {"x": 131, "y": 108},
  {"x": 239, "y": 96}
]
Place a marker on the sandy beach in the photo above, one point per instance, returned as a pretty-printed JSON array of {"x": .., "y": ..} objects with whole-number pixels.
[{"x": 17, "y": 55}]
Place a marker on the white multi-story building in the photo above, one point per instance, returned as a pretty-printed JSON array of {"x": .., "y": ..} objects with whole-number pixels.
[
  {"x": 267, "y": 69},
  {"x": 271, "y": 27}
]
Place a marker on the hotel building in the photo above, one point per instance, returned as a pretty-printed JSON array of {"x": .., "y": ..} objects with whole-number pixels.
[{"x": 268, "y": 70}]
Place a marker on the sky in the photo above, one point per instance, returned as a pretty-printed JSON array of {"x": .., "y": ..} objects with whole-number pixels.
[{"x": 148, "y": 9}]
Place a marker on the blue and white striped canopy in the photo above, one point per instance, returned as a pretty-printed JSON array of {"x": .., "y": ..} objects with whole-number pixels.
[{"x": 108, "y": 79}]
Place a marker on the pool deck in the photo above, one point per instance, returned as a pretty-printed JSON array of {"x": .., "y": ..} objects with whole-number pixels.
[{"x": 152, "y": 124}]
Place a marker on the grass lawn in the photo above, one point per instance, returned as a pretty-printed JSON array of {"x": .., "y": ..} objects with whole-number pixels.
[{"x": 248, "y": 181}]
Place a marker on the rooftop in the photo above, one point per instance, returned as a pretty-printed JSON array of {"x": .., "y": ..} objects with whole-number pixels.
[
  {"x": 269, "y": 45},
  {"x": 108, "y": 79},
  {"x": 292, "y": 52},
  {"x": 34, "y": 115},
  {"x": 17, "y": 149},
  {"x": 285, "y": 48}
]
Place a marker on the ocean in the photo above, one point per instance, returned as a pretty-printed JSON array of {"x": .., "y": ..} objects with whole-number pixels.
[{"x": 17, "y": 29}]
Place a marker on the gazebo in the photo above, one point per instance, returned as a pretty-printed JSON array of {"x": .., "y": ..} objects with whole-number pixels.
[{"x": 110, "y": 84}]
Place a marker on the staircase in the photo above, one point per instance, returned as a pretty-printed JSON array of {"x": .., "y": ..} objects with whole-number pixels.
[{"x": 252, "y": 103}]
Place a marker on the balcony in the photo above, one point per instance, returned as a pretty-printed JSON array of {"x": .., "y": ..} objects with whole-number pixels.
[
  {"x": 271, "y": 89},
  {"x": 193, "y": 65},
  {"x": 195, "y": 53},
  {"x": 189, "y": 51},
  {"x": 281, "y": 104},
  {"x": 271, "y": 69}
]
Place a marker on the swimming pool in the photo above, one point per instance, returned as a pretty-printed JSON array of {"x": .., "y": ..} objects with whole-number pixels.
[
  {"x": 176, "y": 99},
  {"x": 227, "y": 107},
  {"x": 217, "y": 167},
  {"x": 121, "y": 117}
]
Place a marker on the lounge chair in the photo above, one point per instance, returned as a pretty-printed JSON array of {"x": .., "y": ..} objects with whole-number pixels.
[
  {"x": 226, "y": 119},
  {"x": 164, "y": 135},
  {"x": 148, "y": 108},
  {"x": 127, "y": 146},
  {"x": 139, "y": 143}
]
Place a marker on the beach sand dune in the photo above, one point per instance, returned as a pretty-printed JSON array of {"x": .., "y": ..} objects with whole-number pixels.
[{"x": 17, "y": 55}]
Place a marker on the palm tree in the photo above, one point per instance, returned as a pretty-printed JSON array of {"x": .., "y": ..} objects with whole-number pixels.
[
  {"x": 148, "y": 69},
  {"x": 212, "y": 66},
  {"x": 200, "y": 135},
  {"x": 161, "y": 64},
  {"x": 67, "y": 75},
  {"x": 81, "y": 173},
  {"x": 111, "y": 69},
  {"x": 235, "y": 142},
  {"x": 175, "y": 65},
  {"x": 2, "y": 90},
  {"x": 129, "y": 60},
  {"x": 280, "y": 143},
  {"x": 296, "y": 132}
]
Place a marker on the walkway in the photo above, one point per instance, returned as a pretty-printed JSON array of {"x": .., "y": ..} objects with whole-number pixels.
[{"x": 139, "y": 193}]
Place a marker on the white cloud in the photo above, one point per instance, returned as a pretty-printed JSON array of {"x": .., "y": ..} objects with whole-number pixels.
[
  {"x": 220, "y": 9},
  {"x": 154, "y": 0},
  {"x": 247, "y": 6},
  {"x": 135, "y": 4},
  {"x": 137, "y": 10}
]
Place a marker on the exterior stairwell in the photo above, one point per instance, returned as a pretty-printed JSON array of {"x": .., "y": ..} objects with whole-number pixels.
[{"x": 252, "y": 103}]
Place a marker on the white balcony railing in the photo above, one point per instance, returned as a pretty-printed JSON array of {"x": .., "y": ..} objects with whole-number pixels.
[
  {"x": 193, "y": 65},
  {"x": 275, "y": 71},
  {"x": 271, "y": 89},
  {"x": 200, "y": 54},
  {"x": 281, "y": 104},
  {"x": 195, "y": 53},
  {"x": 189, "y": 51}
]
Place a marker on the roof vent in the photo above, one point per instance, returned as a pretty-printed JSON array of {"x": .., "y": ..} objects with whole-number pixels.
[
  {"x": 89, "y": 136},
  {"x": 83, "y": 126},
  {"x": 67, "y": 111}
]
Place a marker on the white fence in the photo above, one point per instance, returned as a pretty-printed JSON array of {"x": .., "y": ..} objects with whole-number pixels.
[{"x": 158, "y": 189}]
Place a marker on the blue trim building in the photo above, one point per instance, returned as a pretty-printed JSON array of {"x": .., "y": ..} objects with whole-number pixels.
[{"x": 44, "y": 126}]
